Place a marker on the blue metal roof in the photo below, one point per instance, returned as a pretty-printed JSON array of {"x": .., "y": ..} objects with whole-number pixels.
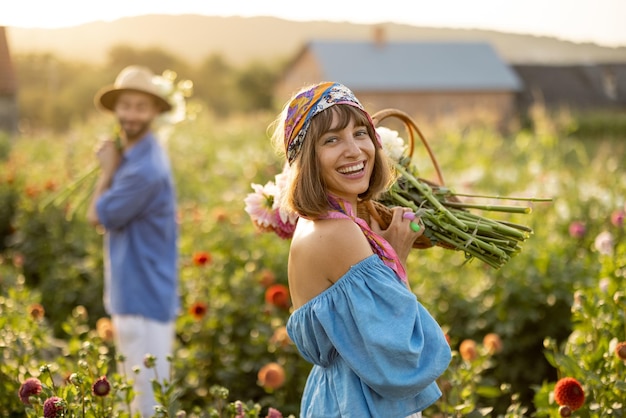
[{"x": 423, "y": 66}]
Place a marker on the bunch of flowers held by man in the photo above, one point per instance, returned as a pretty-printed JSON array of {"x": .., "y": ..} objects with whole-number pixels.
[
  {"x": 449, "y": 222},
  {"x": 77, "y": 193}
]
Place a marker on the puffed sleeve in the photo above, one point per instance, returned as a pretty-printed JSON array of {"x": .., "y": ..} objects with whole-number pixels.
[{"x": 379, "y": 328}]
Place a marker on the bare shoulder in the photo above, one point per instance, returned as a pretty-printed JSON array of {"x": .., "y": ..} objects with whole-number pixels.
[{"x": 321, "y": 252}]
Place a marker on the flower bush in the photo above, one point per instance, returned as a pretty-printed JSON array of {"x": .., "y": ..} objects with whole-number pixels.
[{"x": 557, "y": 308}]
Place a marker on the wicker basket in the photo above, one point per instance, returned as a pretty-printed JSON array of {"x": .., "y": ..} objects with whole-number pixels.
[{"x": 382, "y": 214}]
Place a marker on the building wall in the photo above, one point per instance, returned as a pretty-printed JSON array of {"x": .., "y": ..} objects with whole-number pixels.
[
  {"x": 8, "y": 114},
  {"x": 494, "y": 108},
  {"x": 491, "y": 108}
]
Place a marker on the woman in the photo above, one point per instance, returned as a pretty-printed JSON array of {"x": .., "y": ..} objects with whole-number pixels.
[{"x": 376, "y": 350}]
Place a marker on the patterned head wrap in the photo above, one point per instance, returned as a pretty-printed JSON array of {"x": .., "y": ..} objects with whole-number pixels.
[{"x": 309, "y": 103}]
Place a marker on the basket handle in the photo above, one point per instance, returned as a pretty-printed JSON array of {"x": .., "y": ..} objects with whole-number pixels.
[{"x": 412, "y": 129}]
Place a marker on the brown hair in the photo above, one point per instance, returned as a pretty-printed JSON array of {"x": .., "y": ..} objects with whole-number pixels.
[{"x": 307, "y": 194}]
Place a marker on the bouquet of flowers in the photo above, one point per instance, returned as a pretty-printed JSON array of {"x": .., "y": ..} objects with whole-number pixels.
[
  {"x": 449, "y": 221},
  {"x": 76, "y": 194}
]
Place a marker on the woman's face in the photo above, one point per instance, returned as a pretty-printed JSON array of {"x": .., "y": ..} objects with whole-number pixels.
[{"x": 346, "y": 158}]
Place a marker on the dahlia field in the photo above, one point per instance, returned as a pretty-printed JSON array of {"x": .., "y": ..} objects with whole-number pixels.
[{"x": 542, "y": 336}]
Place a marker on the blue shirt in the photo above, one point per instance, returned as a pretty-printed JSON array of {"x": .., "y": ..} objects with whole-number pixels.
[
  {"x": 376, "y": 350},
  {"x": 141, "y": 249}
]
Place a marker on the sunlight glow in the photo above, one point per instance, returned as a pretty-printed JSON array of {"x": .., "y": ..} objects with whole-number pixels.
[{"x": 600, "y": 21}]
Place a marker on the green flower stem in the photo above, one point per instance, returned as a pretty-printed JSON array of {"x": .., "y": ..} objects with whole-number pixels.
[
  {"x": 486, "y": 258},
  {"x": 66, "y": 192},
  {"x": 491, "y": 208},
  {"x": 428, "y": 195},
  {"x": 448, "y": 192},
  {"x": 489, "y": 247},
  {"x": 84, "y": 198},
  {"x": 505, "y": 229}
]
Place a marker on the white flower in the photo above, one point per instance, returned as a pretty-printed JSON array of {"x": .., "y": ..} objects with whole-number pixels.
[
  {"x": 604, "y": 243},
  {"x": 281, "y": 181},
  {"x": 393, "y": 144}
]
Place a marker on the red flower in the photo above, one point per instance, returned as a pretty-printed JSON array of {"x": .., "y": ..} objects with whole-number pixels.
[
  {"x": 277, "y": 295},
  {"x": 36, "y": 311},
  {"x": 201, "y": 258},
  {"x": 569, "y": 392},
  {"x": 198, "y": 310},
  {"x": 53, "y": 407},
  {"x": 468, "y": 350},
  {"x": 492, "y": 343},
  {"x": 101, "y": 387},
  {"x": 30, "y": 387},
  {"x": 271, "y": 376}
]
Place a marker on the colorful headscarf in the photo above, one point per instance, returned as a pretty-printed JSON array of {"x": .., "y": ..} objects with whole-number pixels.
[{"x": 309, "y": 103}]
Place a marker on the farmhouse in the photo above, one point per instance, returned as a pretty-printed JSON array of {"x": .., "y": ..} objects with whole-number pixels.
[
  {"x": 575, "y": 86},
  {"x": 431, "y": 81},
  {"x": 8, "y": 88}
]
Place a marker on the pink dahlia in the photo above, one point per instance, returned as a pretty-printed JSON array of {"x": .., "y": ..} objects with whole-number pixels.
[
  {"x": 30, "y": 387},
  {"x": 260, "y": 205},
  {"x": 53, "y": 407}
]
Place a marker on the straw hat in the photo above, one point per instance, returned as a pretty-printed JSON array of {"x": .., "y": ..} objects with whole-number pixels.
[{"x": 132, "y": 78}]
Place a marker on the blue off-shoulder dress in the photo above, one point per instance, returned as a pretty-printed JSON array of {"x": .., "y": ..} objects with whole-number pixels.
[{"x": 376, "y": 350}]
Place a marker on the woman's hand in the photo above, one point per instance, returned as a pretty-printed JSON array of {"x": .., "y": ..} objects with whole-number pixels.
[{"x": 402, "y": 231}]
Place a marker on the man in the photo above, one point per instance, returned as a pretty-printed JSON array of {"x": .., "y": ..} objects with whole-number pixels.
[{"x": 134, "y": 200}]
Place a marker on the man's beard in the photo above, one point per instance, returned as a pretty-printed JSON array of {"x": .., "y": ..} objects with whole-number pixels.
[{"x": 134, "y": 130}]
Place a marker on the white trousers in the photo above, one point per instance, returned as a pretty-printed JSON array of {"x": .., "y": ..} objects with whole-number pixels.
[
  {"x": 415, "y": 415},
  {"x": 136, "y": 336}
]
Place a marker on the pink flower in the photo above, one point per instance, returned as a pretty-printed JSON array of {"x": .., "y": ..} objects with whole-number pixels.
[
  {"x": 260, "y": 205},
  {"x": 30, "y": 387},
  {"x": 604, "y": 243},
  {"x": 239, "y": 409},
  {"x": 284, "y": 228},
  {"x": 265, "y": 208},
  {"x": 274, "y": 413},
  {"x": 53, "y": 407},
  {"x": 617, "y": 218},
  {"x": 577, "y": 229}
]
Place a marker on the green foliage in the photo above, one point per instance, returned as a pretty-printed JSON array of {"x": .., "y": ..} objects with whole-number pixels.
[
  {"x": 55, "y": 94},
  {"x": 589, "y": 355}
]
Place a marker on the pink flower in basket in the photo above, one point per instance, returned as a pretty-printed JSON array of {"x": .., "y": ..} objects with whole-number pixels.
[{"x": 265, "y": 208}]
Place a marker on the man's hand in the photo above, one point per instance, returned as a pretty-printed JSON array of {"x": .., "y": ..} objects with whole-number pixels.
[{"x": 109, "y": 156}]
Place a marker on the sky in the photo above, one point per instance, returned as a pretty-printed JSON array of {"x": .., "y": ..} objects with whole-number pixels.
[{"x": 598, "y": 21}]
